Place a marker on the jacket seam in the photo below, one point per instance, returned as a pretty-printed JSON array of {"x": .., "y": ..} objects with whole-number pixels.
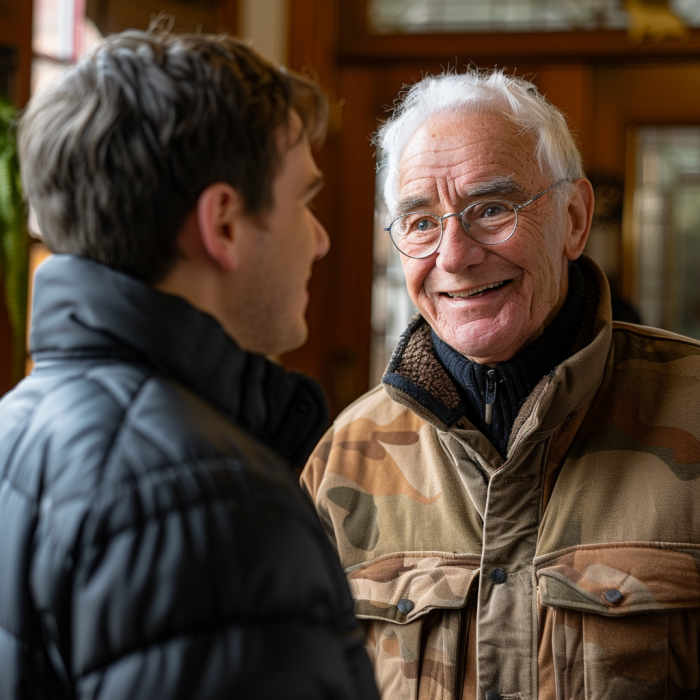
[
  {"x": 413, "y": 553},
  {"x": 27, "y": 422},
  {"x": 130, "y": 487},
  {"x": 201, "y": 630},
  {"x": 544, "y": 558},
  {"x": 126, "y": 411},
  {"x": 20, "y": 640},
  {"x": 665, "y": 336}
]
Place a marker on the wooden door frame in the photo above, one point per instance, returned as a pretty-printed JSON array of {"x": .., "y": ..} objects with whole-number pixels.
[{"x": 357, "y": 44}]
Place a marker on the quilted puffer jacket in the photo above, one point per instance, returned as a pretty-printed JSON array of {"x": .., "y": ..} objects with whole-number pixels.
[
  {"x": 570, "y": 570},
  {"x": 153, "y": 539}
]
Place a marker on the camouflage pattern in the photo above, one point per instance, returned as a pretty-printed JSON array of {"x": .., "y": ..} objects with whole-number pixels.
[
  {"x": 592, "y": 520},
  {"x": 624, "y": 621},
  {"x": 418, "y": 658}
]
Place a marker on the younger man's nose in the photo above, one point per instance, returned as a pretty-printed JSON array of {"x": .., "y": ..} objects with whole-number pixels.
[{"x": 323, "y": 241}]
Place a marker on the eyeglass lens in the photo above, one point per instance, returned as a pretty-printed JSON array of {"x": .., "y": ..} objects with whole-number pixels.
[{"x": 418, "y": 234}]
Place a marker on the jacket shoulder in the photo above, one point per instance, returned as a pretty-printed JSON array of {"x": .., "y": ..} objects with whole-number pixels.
[
  {"x": 664, "y": 344},
  {"x": 69, "y": 432},
  {"x": 357, "y": 449},
  {"x": 632, "y": 473},
  {"x": 656, "y": 372}
]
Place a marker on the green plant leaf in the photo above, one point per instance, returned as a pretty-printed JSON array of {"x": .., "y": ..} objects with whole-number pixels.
[
  {"x": 14, "y": 240},
  {"x": 6, "y": 186}
]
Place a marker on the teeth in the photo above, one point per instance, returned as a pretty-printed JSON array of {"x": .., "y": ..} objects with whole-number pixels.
[{"x": 472, "y": 292}]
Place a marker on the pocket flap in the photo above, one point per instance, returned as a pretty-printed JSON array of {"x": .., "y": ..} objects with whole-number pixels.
[
  {"x": 621, "y": 579},
  {"x": 401, "y": 587}
]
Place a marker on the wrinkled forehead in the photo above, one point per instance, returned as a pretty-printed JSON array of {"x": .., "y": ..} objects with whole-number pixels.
[{"x": 467, "y": 148}]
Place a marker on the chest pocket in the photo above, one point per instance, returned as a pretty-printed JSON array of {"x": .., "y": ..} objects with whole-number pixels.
[
  {"x": 623, "y": 622},
  {"x": 413, "y": 606}
]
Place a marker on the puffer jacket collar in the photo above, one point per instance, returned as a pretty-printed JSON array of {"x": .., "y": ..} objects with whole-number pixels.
[{"x": 83, "y": 310}]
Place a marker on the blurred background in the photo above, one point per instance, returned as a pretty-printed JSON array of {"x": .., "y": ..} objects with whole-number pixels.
[{"x": 625, "y": 72}]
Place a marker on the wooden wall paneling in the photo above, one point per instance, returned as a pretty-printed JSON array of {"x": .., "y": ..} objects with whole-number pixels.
[
  {"x": 666, "y": 93},
  {"x": 227, "y": 16},
  {"x": 570, "y": 87},
  {"x": 313, "y": 49},
  {"x": 313, "y": 40},
  {"x": 628, "y": 242},
  {"x": 117, "y": 15},
  {"x": 16, "y": 32},
  {"x": 354, "y": 221},
  {"x": 552, "y": 46},
  {"x": 358, "y": 45}
]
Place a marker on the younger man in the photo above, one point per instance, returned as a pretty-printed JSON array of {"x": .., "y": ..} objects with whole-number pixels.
[{"x": 154, "y": 543}]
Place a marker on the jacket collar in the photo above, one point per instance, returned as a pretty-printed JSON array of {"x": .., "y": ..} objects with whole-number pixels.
[
  {"x": 416, "y": 378},
  {"x": 83, "y": 310}
]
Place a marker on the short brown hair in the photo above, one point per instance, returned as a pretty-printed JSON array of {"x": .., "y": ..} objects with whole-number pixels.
[{"x": 115, "y": 154}]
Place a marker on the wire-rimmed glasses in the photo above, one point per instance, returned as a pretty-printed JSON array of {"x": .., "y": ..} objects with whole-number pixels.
[{"x": 490, "y": 222}]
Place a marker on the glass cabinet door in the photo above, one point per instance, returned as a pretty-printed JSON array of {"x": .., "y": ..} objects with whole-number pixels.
[{"x": 663, "y": 228}]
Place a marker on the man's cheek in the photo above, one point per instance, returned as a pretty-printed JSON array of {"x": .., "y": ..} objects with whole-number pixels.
[{"x": 415, "y": 278}]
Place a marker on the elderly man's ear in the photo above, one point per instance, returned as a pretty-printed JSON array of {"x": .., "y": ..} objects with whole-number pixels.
[
  {"x": 580, "y": 213},
  {"x": 220, "y": 211}
]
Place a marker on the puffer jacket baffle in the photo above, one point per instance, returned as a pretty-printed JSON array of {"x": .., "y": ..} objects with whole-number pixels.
[{"x": 153, "y": 541}]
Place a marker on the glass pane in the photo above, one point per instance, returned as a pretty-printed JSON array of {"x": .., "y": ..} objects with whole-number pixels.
[
  {"x": 685, "y": 230},
  {"x": 666, "y": 228},
  {"x": 392, "y": 308},
  {"x": 61, "y": 33},
  {"x": 435, "y": 16}
]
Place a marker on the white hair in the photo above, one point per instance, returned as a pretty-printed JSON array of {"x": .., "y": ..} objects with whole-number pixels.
[{"x": 479, "y": 92}]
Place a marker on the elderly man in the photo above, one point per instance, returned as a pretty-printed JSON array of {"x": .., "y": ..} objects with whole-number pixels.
[
  {"x": 516, "y": 506},
  {"x": 155, "y": 543}
]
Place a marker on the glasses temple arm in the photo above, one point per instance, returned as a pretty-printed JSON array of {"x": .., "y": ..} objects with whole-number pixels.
[{"x": 518, "y": 207}]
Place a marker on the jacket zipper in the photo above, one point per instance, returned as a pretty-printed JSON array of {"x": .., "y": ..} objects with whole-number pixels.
[{"x": 490, "y": 395}]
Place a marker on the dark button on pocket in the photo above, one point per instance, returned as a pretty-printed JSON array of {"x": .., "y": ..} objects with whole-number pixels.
[
  {"x": 405, "y": 606},
  {"x": 498, "y": 576},
  {"x": 613, "y": 596},
  {"x": 493, "y": 694}
]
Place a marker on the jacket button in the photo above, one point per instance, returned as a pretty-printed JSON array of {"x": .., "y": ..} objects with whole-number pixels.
[
  {"x": 405, "y": 606},
  {"x": 493, "y": 695},
  {"x": 498, "y": 576},
  {"x": 613, "y": 596}
]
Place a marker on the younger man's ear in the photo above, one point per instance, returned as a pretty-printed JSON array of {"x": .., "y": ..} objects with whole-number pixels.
[
  {"x": 219, "y": 208},
  {"x": 580, "y": 211}
]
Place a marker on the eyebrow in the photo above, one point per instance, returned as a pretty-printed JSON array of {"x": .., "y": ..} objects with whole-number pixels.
[
  {"x": 502, "y": 186},
  {"x": 405, "y": 206}
]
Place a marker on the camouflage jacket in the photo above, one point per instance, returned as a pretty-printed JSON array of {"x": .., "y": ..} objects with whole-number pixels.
[{"x": 570, "y": 570}]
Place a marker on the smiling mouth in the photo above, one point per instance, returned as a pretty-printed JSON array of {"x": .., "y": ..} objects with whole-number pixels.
[{"x": 477, "y": 290}]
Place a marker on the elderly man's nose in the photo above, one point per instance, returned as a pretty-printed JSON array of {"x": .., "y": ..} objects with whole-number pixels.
[{"x": 457, "y": 249}]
